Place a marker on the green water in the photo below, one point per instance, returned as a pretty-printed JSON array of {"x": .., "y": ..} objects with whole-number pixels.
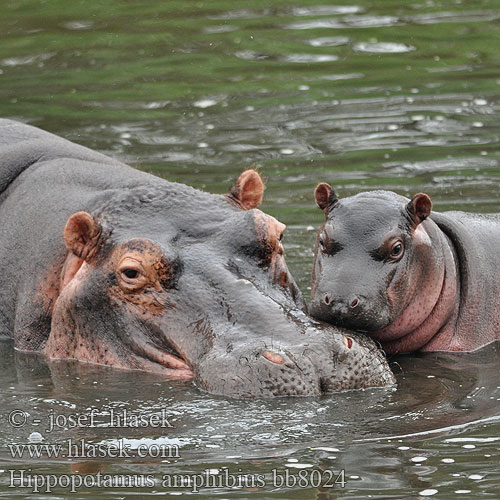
[{"x": 395, "y": 95}]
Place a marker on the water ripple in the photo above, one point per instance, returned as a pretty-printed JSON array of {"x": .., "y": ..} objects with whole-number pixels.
[
  {"x": 383, "y": 47},
  {"x": 346, "y": 22}
]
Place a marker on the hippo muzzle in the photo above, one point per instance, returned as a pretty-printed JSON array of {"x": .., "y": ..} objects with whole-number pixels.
[{"x": 323, "y": 360}]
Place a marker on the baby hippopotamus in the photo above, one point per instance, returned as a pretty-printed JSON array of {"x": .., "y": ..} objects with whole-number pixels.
[{"x": 412, "y": 279}]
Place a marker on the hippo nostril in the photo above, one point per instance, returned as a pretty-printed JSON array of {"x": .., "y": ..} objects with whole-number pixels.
[
  {"x": 326, "y": 299},
  {"x": 348, "y": 342},
  {"x": 274, "y": 357},
  {"x": 354, "y": 303},
  {"x": 323, "y": 385}
]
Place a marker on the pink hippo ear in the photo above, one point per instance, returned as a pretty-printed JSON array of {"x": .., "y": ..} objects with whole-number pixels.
[
  {"x": 248, "y": 190},
  {"x": 325, "y": 197},
  {"x": 81, "y": 235},
  {"x": 419, "y": 207}
]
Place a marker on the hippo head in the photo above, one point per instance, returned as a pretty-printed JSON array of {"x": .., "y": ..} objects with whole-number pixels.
[
  {"x": 377, "y": 268},
  {"x": 169, "y": 279},
  {"x": 374, "y": 258}
]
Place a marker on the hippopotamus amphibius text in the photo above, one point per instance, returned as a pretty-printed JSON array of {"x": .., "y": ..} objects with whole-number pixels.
[
  {"x": 412, "y": 279},
  {"x": 106, "y": 264}
]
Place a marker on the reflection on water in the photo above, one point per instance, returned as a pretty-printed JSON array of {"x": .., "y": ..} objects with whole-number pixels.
[
  {"x": 404, "y": 439},
  {"x": 392, "y": 95}
]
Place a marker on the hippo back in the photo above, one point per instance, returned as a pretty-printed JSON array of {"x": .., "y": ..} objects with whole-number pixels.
[
  {"x": 22, "y": 146},
  {"x": 475, "y": 239}
]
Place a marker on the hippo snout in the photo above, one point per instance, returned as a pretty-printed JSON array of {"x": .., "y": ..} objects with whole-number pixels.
[
  {"x": 318, "y": 363},
  {"x": 346, "y": 305},
  {"x": 354, "y": 310}
]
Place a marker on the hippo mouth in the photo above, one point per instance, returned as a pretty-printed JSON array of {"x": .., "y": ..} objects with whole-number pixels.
[{"x": 166, "y": 359}]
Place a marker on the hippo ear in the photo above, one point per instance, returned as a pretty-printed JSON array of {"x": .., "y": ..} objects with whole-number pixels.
[
  {"x": 325, "y": 197},
  {"x": 419, "y": 208},
  {"x": 81, "y": 235},
  {"x": 248, "y": 190}
]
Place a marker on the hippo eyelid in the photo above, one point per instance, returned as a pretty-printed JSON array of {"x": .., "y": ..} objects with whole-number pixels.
[
  {"x": 321, "y": 241},
  {"x": 129, "y": 264},
  {"x": 125, "y": 270},
  {"x": 132, "y": 280},
  {"x": 332, "y": 247},
  {"x": 384, "y": 253},
  {"x": 130, "y": 273},
  {"x": 400, "y": 250},
  {"x": 397, "y": 248}
]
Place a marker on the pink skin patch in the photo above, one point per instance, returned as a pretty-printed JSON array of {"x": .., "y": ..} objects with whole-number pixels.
[
  {"x": 348, "y": 342},
  {"x": 74, "y": 272},
  {"x": 70, "y": 268},
  {"x": 432, "y": 302},
  {"x": 273, "y": 357},
  {"x": 177, "y": 366}
]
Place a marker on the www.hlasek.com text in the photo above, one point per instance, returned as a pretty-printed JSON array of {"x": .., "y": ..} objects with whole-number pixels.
[{"x": 82, "y": 449}]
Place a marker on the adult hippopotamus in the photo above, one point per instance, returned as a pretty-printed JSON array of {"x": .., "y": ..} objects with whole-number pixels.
[
  {"x": 106, "y": 264},
  {"x": 412, "y": 279}
]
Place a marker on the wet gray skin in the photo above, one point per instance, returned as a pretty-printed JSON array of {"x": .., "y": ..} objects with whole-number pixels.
[
  {"x": 411, "y": 278},
  {"x": 358, "y": 255},
  {"x": 110, "y": 265}
]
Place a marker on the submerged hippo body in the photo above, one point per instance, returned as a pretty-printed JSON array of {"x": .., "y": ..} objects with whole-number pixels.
[
  {"x": 104, "y": 263},
  {"x": 411, "y": 279}
]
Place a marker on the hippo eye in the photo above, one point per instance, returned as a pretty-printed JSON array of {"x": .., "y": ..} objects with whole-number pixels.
[
  {"x": 130, "y": 273},
  {"x": 322, "y": 242},
  {"x": 397, "y": 250}
]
